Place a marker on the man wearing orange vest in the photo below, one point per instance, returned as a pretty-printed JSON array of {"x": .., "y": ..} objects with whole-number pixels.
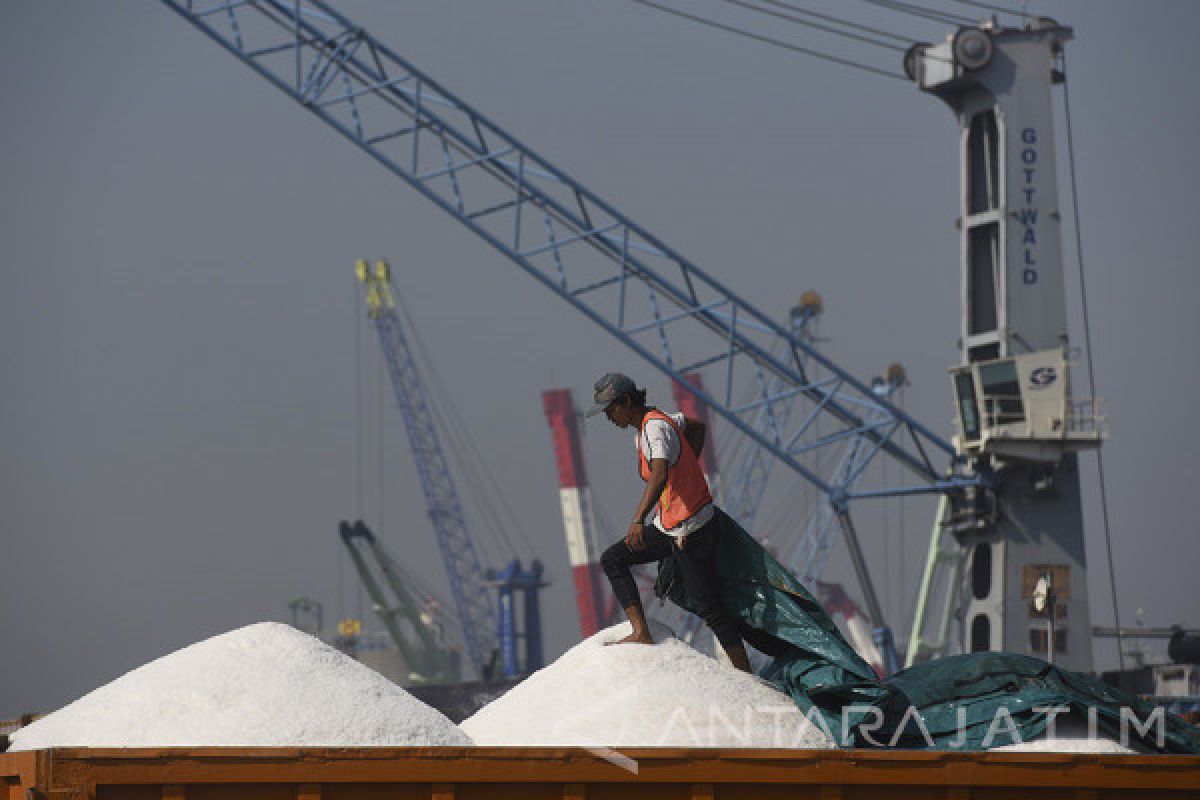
[{"x": 684, "y": 527}]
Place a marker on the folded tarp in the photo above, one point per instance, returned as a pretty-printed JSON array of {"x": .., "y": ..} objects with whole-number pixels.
[{"x": 965, "y": 702}]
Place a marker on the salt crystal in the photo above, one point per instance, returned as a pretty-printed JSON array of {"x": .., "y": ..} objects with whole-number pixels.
[
  {"x": 1057, "y": 745},
  {"x": 266, "y": 685},
  {"x": 666, "y": 694},
  {"x": 1071, "y": 735}
]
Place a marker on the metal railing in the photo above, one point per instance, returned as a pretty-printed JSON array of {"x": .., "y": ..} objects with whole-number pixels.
[{"x": 1075, "y": 418}]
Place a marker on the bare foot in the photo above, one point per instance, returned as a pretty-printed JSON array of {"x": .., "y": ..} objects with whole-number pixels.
[{"x": 635, "y": 638}]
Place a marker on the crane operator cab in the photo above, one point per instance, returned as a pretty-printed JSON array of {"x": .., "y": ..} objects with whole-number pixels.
[{"x": 1019, "y": 408}]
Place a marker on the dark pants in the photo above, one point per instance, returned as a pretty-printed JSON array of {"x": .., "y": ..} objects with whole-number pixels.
[{"x": 696, "y": 565}]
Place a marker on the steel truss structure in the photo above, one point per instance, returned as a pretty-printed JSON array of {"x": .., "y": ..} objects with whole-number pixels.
[
  {"x": 675, "y": 316},
  {"x": 745, "y": 493},
  {"x": 472, "y": 598}
]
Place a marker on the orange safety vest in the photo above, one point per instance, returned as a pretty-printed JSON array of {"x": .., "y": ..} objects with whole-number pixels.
[{"x": 686, "y": 491}]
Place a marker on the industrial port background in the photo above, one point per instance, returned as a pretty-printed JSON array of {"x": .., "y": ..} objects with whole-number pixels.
[{"x": 187, "y": 369}]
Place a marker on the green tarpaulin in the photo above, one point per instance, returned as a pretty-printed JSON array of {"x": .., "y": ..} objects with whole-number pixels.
[{"x": 967, "y": 702}]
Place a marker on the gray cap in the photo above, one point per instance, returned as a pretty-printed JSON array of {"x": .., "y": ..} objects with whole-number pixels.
[{"x": 608, "y": 389}]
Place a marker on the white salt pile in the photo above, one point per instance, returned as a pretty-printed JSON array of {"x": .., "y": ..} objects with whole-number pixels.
[
  {"x": 1061, "y": 745},
  {"x": 262, "y": 685},
  {"x": 1071, "y": 735},
  {"x": 666, "y": 694}
]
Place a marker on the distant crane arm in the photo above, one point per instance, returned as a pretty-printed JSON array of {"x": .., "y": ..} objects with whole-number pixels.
[{"x": 577, "y": 245}]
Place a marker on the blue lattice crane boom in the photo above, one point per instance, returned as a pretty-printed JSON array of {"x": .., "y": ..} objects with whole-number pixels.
[
  {"x": 471, "y": 593},
  {"x": 656, "y": 302},
  {"x": 745, "y": 493}
]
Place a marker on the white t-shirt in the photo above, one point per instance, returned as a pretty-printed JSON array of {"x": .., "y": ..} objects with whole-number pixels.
[{"x": 659, "y": 440}]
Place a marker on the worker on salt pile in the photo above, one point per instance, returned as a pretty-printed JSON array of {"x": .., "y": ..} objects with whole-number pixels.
[
  {"x": 709, "y": 565},
  {"x": 685, "y": 526}
]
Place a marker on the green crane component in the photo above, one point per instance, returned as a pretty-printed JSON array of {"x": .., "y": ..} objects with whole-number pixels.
[
  {"x": 428, "y": 660},
  {"x": 930, "y": 636}
]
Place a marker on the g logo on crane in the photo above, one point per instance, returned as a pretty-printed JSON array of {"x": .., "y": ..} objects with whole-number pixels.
[{"x": 1042, "y": 377}]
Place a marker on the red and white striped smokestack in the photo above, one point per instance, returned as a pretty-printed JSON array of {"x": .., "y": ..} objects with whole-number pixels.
[
  {"x": 579, "y": 519},
  {"x": 694, "y": 408}
]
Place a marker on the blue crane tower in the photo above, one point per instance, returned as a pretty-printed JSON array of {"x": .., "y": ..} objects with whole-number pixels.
[
  {"x": 638, "y": 289},
  {"x": 467, "y": 583}
]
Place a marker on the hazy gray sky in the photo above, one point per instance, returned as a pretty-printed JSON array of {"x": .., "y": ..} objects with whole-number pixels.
[{"x": 186, "y": 361}]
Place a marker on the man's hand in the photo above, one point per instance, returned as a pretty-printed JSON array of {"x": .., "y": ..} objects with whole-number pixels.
[{"x": 634, "y": 537}]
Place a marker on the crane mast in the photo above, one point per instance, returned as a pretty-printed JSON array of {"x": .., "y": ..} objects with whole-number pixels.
[
  {"x": 467, "y": 580},
  {"x": 1016, "y": 413}
]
